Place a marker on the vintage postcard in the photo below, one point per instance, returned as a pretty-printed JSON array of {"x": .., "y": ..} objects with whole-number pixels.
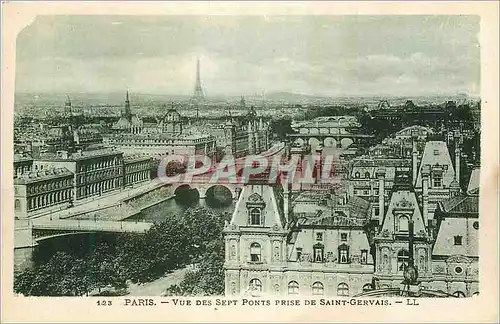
[{"x": 249, "y": 162}]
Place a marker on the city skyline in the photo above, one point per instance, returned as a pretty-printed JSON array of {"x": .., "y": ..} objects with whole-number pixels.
[{"x": 320, "y": 56}]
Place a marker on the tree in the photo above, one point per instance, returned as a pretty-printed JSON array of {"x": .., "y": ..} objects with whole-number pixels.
[
  {"x": 207, "y": 277},
  {"x": 202, "y": 227}
]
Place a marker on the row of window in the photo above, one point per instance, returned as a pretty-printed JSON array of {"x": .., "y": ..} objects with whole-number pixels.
[
  {"x": 318, "y": 253},
  {"x": 99, "y": 165},
  {"x": 97, "y": 188},
  {"x": 367, "y": 175},
  {"x": 140, "y": 176},
  {"x": 137, "y": 166},
  {"x": 368, "y": 192},
  {"x": 343, "y": 237},
  {"x": 82, "y": 179},
  {"x": 44, "y": 200},
  {"x": 47, "y": 186},
  {"x": 317, "y": 288}
]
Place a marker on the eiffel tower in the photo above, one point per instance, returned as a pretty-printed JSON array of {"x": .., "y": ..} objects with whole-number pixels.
[{"x": 199, "y": 95}]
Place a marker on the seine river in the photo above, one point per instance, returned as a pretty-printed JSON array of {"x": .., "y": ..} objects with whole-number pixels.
[{"x": 84, "y": 243}]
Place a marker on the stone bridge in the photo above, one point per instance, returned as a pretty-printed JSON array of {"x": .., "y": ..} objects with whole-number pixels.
[{"x": 208, "y": 180}]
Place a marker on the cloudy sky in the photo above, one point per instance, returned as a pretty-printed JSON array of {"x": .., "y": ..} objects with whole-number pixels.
[{"x": 319, "y": 55}]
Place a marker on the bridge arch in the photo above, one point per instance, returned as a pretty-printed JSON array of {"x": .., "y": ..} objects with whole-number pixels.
[
  {"x": 185, "y": 194},
  {"x": 219, "y": 195}
]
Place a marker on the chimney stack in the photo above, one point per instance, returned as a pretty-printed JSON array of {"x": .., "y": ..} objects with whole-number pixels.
[
  {"x": 414, "y": 162},
  {"x": 381, "y": 193},
  {"x": 425, "y": 193},
  {"x": 457, "y": 159},
  {"x": 286, "y": 202}
]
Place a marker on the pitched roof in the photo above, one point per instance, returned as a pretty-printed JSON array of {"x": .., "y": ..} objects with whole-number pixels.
[
  {"x": 436, "y": 152},
  {"x": 473, "y": 181},
  {"x": 453, "y": 227},
  {"x": 259, "y": 194},
  {"x": 403, "y": 199},
  {"x": 463, "y": 204}
]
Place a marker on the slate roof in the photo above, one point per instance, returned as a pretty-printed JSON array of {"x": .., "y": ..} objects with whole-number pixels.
[{"x": 463, "y": 204}]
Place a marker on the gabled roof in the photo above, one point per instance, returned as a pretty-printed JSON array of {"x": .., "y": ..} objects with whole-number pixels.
[
  {"x": 403, "y": 199},
  {"x": 436, "y": 153},
  {"x": 263, "y": 195}
]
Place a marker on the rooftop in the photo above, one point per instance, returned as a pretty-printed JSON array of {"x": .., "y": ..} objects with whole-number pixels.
[{"x": 45, "y": 174}]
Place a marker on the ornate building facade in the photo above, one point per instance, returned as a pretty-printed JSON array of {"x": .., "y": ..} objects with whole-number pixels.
[
  {"x": 167, "y": 137},
  {"x": 249, "y": 136},
  {"x": 272, "y": 251}
]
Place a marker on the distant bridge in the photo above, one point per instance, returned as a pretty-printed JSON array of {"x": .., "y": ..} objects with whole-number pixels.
[{"x": 46, "y": 229}]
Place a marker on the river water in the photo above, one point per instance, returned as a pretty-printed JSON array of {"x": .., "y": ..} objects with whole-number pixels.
[
  {"x": 177, "y": 206},
  {"x": 81, "y": 244}
]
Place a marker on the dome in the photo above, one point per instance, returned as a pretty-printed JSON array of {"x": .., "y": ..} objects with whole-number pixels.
[{"x": 172, "y": 115}]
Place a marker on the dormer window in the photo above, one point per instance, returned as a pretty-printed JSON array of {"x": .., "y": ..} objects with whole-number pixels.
[
  {"x": 319, "y": 236},
  {"x": 403, "y": 223},
  {"x": 367, "y": 175},
  {"x": 255, "y": 207},
  {"x": 437, "y": 180},
  {"x": 357, "y": 175},
  {"x": 457, "y": 240},
  {"x": 255, "y": 216},
  {"x": 344, "y": 254},
  {"x": 318, "y": 250},
  {"x": 436, "y": 152}
]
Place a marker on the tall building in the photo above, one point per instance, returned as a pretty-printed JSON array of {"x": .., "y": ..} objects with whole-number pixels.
[
  {"x": 248, "y": 136},
  {"x": 128, "y": 122}
]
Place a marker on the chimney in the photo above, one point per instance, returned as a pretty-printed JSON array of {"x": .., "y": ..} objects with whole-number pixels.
[
  {"x": 425, "y": 193},
  {"x": 414, "y": 162},
  {"x": 381, "y": 193},
  {"x": 457, "y": 159},
  {"x": 286, "y": 202}
]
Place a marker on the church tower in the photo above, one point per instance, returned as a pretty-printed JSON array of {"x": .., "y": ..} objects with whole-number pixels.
[{"x": 126, "y": 111}]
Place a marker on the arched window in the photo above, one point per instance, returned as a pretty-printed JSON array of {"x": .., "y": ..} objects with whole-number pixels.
[
  {"x": 293, "y": 288},
  {"x": 317, "y": 288},
  {"x": 367, "y": 287},
  {"x": 367, "y": 175},
  {"x": 343, "y": 289},
  {"x": 255, "y": 216},
  {"x": 459, "y": 294},
  {"x": 403, "y": 224},
  {"x": 255, "y": 285},
  {"x": 17, "y": 204},
  {"x": 357, "y": 175},
  {"x": 255, "y": 252},
  {"x": 403, "y": 257}
]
